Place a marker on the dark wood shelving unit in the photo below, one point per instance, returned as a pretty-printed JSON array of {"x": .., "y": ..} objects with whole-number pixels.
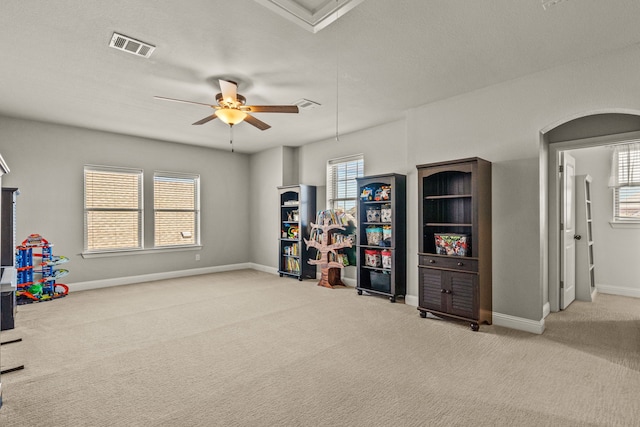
[
  {"x": 388, "y": 278},
  {"x": 455, "y": 200},
  {"x": 297, "y": 211}
]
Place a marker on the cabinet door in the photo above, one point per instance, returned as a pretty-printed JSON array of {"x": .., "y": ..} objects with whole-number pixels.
[
  {"x": 430, "y": 291},
  {"x": 449, "y": 292},
  {"x": 462, "y": 290}
]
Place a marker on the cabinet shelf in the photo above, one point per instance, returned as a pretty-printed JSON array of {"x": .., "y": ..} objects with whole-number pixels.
[
  {"x": 447, "y": 224},
  {"x": 377, "y": 268},
  {"x": 448, "y": 196},
  {"x": 389, "y": 280},
  {"x": 391, "y": 248}
]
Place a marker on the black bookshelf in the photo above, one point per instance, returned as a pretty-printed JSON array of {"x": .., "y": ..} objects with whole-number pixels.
[
  {"x": 297, "y": 211},
  {"x": 381, "y": 238}
]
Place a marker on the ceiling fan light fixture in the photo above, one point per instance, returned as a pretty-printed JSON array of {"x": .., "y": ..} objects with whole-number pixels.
[{"x": 230, "y": 116}]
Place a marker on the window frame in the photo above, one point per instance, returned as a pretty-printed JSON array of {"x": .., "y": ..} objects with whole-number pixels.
[
  {"x": 333, "y": 183},
  {"x": 196, "y": 208},
  {"x": 625, "y": 175},
  {"x": 140, "y": 209}
]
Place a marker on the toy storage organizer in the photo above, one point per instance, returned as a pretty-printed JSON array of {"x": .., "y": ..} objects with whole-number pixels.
[{"x": 37, "y": 282}]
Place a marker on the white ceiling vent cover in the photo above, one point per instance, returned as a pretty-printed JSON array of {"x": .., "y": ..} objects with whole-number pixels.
[
  {"x": 127, "y": 44},
  {"x": 306, "y": 104}
]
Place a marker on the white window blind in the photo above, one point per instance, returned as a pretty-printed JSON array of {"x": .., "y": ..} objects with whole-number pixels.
[
  {"x": 112, "y": 208},
  {"x": 176, "y": 209},
  {"x": 342, "y": 189},
  {"x": 625, "y": 180}
]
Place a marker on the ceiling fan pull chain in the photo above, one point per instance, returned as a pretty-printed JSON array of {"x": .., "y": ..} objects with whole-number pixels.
[
  {"x": 231, "y": 137},
  {"x": 337, "y": 79}
]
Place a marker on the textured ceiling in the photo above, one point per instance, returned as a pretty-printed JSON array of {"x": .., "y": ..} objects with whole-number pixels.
[{"x": 377, "y": 61}]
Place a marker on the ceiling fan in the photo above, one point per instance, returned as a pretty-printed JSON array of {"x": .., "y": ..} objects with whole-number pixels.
[{"x": 231, "y": 108}]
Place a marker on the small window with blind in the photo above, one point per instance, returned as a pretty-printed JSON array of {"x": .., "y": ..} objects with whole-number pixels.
[
  {"x": 176, "y": 209},
  {"x": 625, "y": 181},
  {"x": 112, "y": 209},
  {"x": 342, "y": 188}
]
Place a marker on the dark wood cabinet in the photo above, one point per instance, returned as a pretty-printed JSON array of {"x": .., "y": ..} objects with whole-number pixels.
[
  {"x": 454, "y": 260},
  {"x": 297, "y": 211},
  {"x": 381, "y": 235}
]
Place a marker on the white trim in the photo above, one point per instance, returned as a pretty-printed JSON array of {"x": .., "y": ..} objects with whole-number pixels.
[
  {"x": 312, "y": 20},
  {"x": 263, "y": 268},
  {"x": 119, "y": 281},
  {"x": 621, "y": 224},
  {"x": 350, "y": 282},
  {"x": 546, "y": 310},
  {"x": 124, "y": 252},
  {"x": 618, "y": 290},
  {"x": 411, "y": 300},
  {"x": 519, "y": 323},
  {"x": 3, "y": 167}
]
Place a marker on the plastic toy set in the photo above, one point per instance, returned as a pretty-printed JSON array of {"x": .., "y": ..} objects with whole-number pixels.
[{"x": 37, "y": 283}]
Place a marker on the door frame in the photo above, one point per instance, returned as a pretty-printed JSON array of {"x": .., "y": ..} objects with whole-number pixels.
[{"x": 554, "y": 193}]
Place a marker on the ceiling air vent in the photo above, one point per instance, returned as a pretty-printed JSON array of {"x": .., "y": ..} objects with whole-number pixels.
[
  {"x": 306, "y": 104},
  {"x": 127, "y": 44}
]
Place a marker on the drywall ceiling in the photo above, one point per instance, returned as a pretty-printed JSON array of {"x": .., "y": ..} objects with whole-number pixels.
[{"x": 369, "y": 67}]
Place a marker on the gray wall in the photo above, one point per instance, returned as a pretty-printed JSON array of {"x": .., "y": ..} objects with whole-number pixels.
[
  {"x": 46, "y": 163},
  {"x": 615, "y": 249},
  {"x": 266, "y": 174}
]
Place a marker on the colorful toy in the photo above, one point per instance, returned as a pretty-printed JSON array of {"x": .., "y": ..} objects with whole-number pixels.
[
  {"x": 39, "y": 285},
  {"x": 367, "y": 194}
]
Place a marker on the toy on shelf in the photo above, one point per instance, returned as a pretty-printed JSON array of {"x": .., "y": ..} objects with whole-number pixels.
[{"x": 39, "y": 285}]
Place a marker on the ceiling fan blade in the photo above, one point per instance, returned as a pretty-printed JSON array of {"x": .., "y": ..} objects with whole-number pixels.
[
  {"x": 206, "y": 119},
  {"x": 255, "y": 122},
  {"x": 229, "y": 90},
  {"x": 271, "y": 108},
  {"x": 184, "y": 102}
]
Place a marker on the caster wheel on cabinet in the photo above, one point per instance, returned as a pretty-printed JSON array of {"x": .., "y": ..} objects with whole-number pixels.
[
  {"x": 475, "y": 327},
  {"x": 423, "y": 314},
  {"x": 300, "y": 279},
  {"x": 359, "y": 291},
  {"x": 281, "y": 274},
  {"x": 392, "y": 299}
]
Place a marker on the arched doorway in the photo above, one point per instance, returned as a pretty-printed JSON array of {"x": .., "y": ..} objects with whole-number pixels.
[{"x": 592, "y": 130}]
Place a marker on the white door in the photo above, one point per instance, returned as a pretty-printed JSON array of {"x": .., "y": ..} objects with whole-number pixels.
[{"x": 568, "y": 232}]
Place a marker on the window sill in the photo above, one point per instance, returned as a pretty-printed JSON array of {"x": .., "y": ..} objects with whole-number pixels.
[
  {"x": 105, "y": 254},
  {"x": 630, "y": 224}
]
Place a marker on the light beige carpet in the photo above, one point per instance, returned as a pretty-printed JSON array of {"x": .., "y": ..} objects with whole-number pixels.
[{"x": 248, "y": 348}]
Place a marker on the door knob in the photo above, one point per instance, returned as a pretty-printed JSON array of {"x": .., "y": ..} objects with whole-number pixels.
[{"x": 577, "y": 237}]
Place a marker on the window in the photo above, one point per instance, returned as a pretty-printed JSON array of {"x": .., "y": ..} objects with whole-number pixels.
[
  {"x": 176, "y": 209},
  {"x": 112, "y": 208},
  {"x": 342, "y": 189},
  {"x": 625, "y": 180}
]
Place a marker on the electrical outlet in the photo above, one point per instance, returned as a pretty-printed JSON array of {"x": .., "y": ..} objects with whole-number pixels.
[{"x": 197, "y": 257}]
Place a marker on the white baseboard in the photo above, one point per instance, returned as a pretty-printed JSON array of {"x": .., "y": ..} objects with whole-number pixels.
[
  {"x": 411, "y": 300},
  {"x": 263, "y": 268},
  {"x": 95, "y": 284},
  {"x": 617, "y": 290},
  {"x": 519, "y": 323},
  {"x": 546, "y": 309}
]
